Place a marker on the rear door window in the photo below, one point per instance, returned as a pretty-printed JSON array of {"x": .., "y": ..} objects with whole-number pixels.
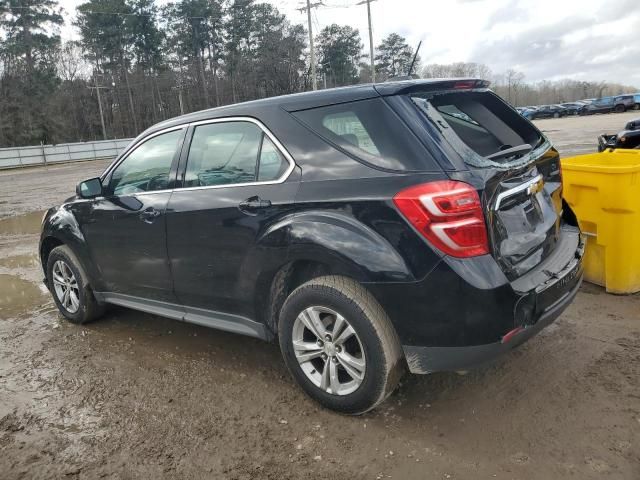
[
  {"x": 369, "y": 131},
  {"x": 223, "y": 153},
  {"x": 232, "y": 153},
  {"x": 479, "y": 125},
  {"x": 272, "y": 164}
]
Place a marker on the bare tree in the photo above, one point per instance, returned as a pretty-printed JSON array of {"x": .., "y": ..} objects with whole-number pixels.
[
  {"x": 514, "y": 81},
  {"x": 71, "y": 62}
]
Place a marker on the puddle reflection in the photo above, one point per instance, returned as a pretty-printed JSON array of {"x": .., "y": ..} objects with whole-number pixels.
[
  {"x": 21, "y": 224},
  {"x": 17, "y": 296}
]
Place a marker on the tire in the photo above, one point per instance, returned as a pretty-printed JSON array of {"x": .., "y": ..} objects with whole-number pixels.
[
  {"x": 380, "y": 350},
  {"x": 87, "y": 308},
  {"x": 636, "y": 106},
  {"x": 619, "y": 109},
  {"x": 556, "y": 115}
]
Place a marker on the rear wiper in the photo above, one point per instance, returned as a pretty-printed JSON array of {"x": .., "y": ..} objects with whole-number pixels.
[{"x": 511, "y": 152}]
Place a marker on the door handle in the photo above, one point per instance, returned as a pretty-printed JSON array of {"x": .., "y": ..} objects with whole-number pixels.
[
  {"x": 148, "y": 215},
  {"x": 253, "y": 203}
]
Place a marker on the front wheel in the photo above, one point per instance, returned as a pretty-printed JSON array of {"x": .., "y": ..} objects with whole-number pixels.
[
  {"x": 556, "y": 115},
  {"x": 339, "y": 344},
  {"x": 619, "y": 109},
  {"x": 70, "y": 288}
]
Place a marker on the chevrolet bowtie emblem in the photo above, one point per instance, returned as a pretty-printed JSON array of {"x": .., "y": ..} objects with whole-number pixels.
[{"x": 535, "y": 187}]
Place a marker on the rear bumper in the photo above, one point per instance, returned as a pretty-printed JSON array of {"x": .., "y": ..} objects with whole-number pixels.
[{"x": 423, "y": 360}]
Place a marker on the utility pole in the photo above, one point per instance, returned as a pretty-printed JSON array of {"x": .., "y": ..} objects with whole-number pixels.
[
  {"x": 371, "y": 57},
  {"x": 314, "y": 80},
  {"x": 98, "y": 87}
]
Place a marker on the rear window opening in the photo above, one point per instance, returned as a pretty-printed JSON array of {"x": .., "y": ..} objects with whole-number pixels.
[{"x": 482, "y": 123}]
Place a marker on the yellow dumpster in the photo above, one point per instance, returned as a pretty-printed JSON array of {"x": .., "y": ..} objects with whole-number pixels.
[{"x": 603, "y": 190}]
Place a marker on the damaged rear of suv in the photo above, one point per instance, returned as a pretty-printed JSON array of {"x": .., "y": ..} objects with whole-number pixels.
[
  {"x": 367, "y": 229},
  {"x": 528, "y": 269}
]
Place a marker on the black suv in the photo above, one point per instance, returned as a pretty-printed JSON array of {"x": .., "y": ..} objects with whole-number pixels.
[{"x": 369, "y": 229}]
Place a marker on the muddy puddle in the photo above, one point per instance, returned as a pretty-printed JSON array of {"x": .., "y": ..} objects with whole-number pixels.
[
  {"x": 19, "y": 261},
  {"x": 18, "y": 296},
  {"x": 21, "y": 224}
]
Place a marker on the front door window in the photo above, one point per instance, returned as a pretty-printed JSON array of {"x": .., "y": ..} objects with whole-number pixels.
[{"x": 147, "y": 168}]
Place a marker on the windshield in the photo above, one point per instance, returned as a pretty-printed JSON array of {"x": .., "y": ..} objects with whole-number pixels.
[{"x": 481, "y": 126}]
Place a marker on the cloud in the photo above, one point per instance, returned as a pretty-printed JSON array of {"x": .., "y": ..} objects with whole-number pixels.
[
  {"x": 545, "y": 39},
  {"x": 581, "y": 49},
  {"x": 507, "y": 14}
]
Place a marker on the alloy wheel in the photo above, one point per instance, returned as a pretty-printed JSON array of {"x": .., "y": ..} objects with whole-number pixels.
[
  {"x": 66, "y": 287},
  {"x": 328, "y": 350}
]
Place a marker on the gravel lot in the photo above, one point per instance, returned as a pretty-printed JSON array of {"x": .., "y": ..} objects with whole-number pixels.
[{"x": 138, "y": 396}]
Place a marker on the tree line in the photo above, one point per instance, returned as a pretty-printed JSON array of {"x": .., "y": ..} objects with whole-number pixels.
[
  {"x": 136, "y": 62},
  {"x": 511, "y": 85}
]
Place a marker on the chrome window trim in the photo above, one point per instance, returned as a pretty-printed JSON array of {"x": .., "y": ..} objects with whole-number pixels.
[
  {"x": 266, "y": 131},
  {"x": 283, "y": 151},
  {"x": 135, "y": 146}
]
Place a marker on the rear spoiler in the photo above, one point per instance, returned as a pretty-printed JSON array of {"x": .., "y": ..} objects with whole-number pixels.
[{"x": 429, "y": 85}]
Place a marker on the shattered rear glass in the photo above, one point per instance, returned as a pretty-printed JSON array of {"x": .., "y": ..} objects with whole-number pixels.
[{"x": 479, "y": 125}]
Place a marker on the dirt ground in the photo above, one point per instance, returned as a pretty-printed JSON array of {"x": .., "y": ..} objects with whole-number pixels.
[{"x": 138, "y": 396}]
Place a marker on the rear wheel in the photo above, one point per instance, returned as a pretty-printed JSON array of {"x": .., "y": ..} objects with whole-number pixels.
[
  {"x": 619, "y": 108},
  {"x": 339, "y": 344},
  {"x": 68, "y": 284},
  {"x": 556, "y": 115}
]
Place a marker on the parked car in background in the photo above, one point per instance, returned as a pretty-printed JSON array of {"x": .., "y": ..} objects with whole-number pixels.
[
  {"x": 527, "y": 112},
  {"x": 366, "y": 229},
  {"x": 573, "y": 108},
  {"x": 622, "y": 103},
  {"x": 619, "y": 104},
  {"x": 549, "y": 111},
  {"x": 599, "y": 105},
  {"x": 627, "y": 138}
]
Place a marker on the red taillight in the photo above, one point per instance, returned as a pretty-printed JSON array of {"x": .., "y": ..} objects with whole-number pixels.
[{"x": 448, "y": 214}]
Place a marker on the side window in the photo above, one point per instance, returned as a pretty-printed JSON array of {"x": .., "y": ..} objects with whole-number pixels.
[
  {"x": 223, "y": 153},
  {"x": 147, "y": 168},
  {"x": 348, "y": 126},
  {"x": 272, "y": 163},
  {"x": 370, "y": 131}
]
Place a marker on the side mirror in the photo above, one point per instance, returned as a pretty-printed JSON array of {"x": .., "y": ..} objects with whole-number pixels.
[{"x": 89, "y": 188}]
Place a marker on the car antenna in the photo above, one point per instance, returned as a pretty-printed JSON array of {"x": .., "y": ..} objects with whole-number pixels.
[{"x": 415, "y": 55}]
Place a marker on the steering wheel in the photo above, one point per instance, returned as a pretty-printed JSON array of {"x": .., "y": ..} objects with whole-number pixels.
[{"x": 159, "y": 182}]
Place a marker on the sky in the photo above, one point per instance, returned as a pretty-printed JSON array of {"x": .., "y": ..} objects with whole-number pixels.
[{"x": 595, "y": 40}]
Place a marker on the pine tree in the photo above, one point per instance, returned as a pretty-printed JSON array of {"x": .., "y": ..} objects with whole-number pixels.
[
  {"x": 29, "y": 49},
  {"x": 394, "y": 57},
  {"x": 340, "y": 51}
]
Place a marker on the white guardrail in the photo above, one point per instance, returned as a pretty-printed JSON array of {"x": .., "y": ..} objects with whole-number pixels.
[{"x": 63, "y": 152}]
